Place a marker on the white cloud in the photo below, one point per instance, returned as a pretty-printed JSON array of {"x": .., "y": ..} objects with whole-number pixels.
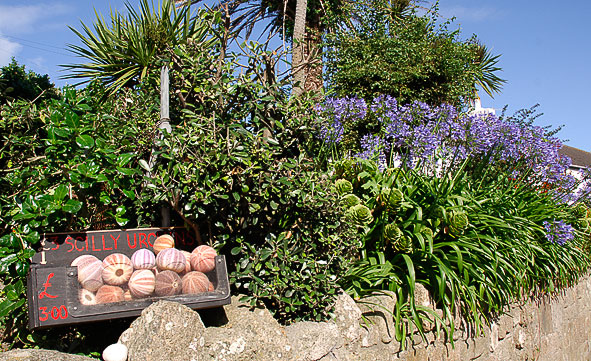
[
  {"x": 17, "y": 19},
  {"x": 473, "y": 14},
  {"x": 8, "y": 49}
]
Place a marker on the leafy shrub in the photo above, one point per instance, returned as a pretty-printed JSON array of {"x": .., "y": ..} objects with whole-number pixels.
[
  {"x": 409, "y": 57},
  {"x": 68, "y": 164}
]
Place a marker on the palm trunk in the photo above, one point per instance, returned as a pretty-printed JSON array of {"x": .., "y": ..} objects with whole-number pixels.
[{"x": 299, "y": 48}]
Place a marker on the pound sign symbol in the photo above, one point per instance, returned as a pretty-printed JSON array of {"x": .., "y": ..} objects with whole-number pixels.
[{"x": 47, "y": 285}]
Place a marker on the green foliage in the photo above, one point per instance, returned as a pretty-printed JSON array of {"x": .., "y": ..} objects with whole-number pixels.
[
  {"x": 16, "y": 83},
  {"x": 476, "y": 246},
  {"x": 409, "y": 57},
  {"x": 249, "y": 189}
]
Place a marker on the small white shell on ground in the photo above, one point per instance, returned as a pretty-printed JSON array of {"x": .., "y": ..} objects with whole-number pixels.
[{"x": 115, "y": 352}]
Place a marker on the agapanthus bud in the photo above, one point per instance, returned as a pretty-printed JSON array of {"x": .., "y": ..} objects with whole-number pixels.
[
  {"x": 580, "y": 210},
  {"x": 427, "y": 232},
  {"x": 346, "y": 169}
]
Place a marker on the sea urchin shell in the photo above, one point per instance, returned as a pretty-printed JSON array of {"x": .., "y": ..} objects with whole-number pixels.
[
  {"x": 117, "y": 274},
  {"x": 142, "y": 283},
  {"x": 168, "y": 283},
  {"x": 195, "y": 282},
  {"x": 90, "y": 273},
  {"x": 143, "y": 259},
  {"x": 163, "y": 242},
  {"x": 108, "y": 294},
  {"x": 86, "y": 297},
  {"x": 171, "y": 259},
  {"x": 203, "y": 259}
]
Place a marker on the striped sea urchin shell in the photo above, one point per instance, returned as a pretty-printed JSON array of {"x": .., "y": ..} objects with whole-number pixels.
[
  {"x": 143, "y": 259},
  {"x": 116, "y": 258},
  {"x": 187, "y": 261},
  {"x": 90, "y": 273},
  {"x": 163, "y": 242},
  {"x": 86, "y": 297},
  {"x": 168, "y": 283},
  {"x": 171, "y": 259},
  {"x": 83, "y": 258},
  {"x": 117, "y": 274},
  {"x": 142, "y": 283},
  {"x": 203, "y": 259},
  {"x": 195, "y": 282},
  {"x": 109, "y": 294}
]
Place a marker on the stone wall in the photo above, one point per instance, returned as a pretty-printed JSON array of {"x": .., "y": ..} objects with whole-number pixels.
[
  {"x": 550, "y": 329},
  {"x": 557, "y": 329}
]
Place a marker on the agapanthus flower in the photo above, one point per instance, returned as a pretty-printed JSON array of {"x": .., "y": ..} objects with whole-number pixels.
[{"x": 559, "y": 232}]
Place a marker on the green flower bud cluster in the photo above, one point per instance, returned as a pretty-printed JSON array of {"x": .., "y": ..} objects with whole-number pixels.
[
  {"x": 391, "y": 199},
  {"x": 584, "y": 225},
  {"x": 457, "y": 222},
  {"x": 343, "y": 187},
  {"x": 350, "y": 200},
  {"x": 392, "y": 233},
  {"x": 346, "y": 169},
  {"x": 403, "y": 245},
  {"x": 359, "y": 215},
  {"x": 427, "y": 232}
]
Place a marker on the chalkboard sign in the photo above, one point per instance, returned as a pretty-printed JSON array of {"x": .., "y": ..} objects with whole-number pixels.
[{"x": 53, "y": 289}]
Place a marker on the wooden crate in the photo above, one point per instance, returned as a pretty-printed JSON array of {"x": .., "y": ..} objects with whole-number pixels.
[{"x": 52, "y": 285}]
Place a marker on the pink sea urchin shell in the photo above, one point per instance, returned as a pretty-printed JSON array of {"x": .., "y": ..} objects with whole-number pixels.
[
  {"x": 116, "y": 258},
  {"x": 142, "y": 283},
  {"x": 163, "y": 242},
  {"x": 195, "y": 282},
  {"x": 108, "y": 294},
  {"x": 171, "y": 259},
  {"x": 86, "y": 297},
  {"x": 117, "y": 274},
  {"x": 90, "y": 271},
  {"x": 203, "y": 259},
  {"x": 168, "y": 283},
  {"x": 83, "y": 258},
  {"x": 187, "y": 261},
  {"x": 143, "y": 259}
]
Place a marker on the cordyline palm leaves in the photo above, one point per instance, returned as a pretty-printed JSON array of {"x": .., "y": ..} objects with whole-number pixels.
[
  {"x": 487, "y": 77},
  {"x": 122, "y": 50}
]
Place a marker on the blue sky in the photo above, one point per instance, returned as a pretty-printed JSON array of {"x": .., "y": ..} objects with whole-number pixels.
[{"x": 545, "y": 47}]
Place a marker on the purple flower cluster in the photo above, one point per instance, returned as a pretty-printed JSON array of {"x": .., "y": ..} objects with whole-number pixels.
[
  {"x": 336, "y": 111},
  {"x": 372, "y": 146},
  {"x": 425, "y": 135},
  {"x": 559, "y": 232}
]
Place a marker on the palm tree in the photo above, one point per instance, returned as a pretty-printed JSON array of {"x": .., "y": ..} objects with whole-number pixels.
[
  {"x": 298, "y": 53},
  {"x": 311, "y": 19},
  {"x": 125, "y": 49}
]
